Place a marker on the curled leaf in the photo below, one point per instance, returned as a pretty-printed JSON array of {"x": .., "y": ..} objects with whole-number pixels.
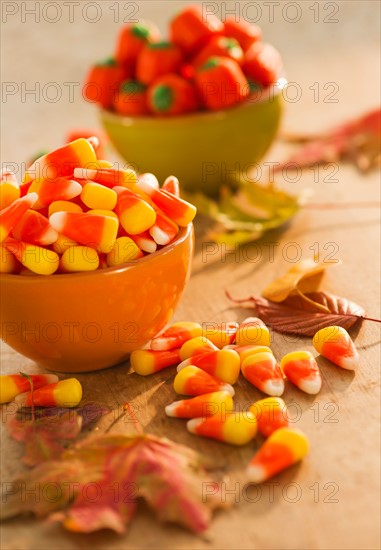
[
  {"x": 357, "y": 141},
  {"x": 246, "y": 215},
  {"x": 301, "y": 278},
  {"x": 100, "y": 478},
  {"x": 296, "y": 315}
]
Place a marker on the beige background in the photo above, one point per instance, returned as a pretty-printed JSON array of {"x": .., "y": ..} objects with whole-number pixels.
[{"x": 344, "y": 453}]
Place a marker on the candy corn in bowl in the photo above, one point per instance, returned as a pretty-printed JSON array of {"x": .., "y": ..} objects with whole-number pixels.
[
  {"x": 205, "y": 103},
  {"x": 93, "y": 259}
]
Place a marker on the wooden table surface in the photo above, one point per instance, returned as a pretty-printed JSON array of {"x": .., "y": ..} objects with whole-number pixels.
[{"x": 331, "y": 500}]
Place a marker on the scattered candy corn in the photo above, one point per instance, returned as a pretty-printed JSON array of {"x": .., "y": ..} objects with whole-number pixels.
[
  {"x": 196, "y": 346},
  {"x": 208, "y": 404},
  {"x": 66, "y": 393},
  {"x": 176, "y": 335},
  {"x": 246, "y": 351},
  {"x": 223, "y": 364},
  {"x": 234, "y": 428},
  {"x": 282, "y": 449},
  {"x": 13, "y": 384},
  {"x": 222, "y": 334},
  {"x": 301, "y": 368},
  {"x": 335, "y": 344},
  {"x": 271, "y": 414},
  {"x": 146, "y": 361},
  {"x": 262, "y": 370},
  {"x": 253, "y": 331},
  {"x": 194, "y": 381}
]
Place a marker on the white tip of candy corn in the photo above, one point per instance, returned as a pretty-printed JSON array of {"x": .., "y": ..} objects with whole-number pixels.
[
  {"x": 57, "y": 221},
  {"x": 170, "y": 410},
  {"x": 74, "y": 188},
  {"x": 193, "y": 424},
  {"x": 228, "y": 388},
  {"x": 274, "y": 388},
  {"x": 256, "y": 474},
  {"x": 183, "y": 364},
  {"x": 50, "y": 236},
  {"x": 146, "y": 186},
  {"x": 159, "y": 236},
  {"x": 349, "y": 363},
  {"x": 311, "y": 387}
]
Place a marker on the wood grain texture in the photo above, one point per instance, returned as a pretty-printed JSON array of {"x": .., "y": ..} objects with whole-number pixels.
[{"x": 331, "y": 500}]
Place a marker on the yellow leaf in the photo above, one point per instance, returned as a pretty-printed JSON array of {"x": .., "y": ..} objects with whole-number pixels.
[{"x": 302, "y": 277}]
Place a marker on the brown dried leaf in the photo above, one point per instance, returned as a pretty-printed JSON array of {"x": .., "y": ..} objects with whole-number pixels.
[{"x": 302, "y": 317}]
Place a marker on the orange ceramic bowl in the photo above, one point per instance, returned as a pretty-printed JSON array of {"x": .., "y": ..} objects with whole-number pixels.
[{"x": 89, "y": 321}]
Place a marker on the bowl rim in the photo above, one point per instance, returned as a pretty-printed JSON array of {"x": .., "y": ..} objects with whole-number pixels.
[
  {"x": 277, "y": 88},
  {"x": 183, "y": 234}
]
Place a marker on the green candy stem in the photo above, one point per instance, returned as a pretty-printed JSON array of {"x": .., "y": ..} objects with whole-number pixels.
[
  {"x": 140, "y": 31},
  {"x": 163, "y": 98},
  {"x": 210, "y": 64},
  {"x": 109, "y": 62}
]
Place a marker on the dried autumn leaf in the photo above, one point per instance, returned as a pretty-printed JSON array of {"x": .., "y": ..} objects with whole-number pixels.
[
  {"x": 100, "y": 478},
  {"x": 303, "y": 277},
  {"x": 246, "y": 215},
  {"x": 357, "y": 141},
  {"x": 302, "y": 317},
  {"x": 46, "y": 432}
]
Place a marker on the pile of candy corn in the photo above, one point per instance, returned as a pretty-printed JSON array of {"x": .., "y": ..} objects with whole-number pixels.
[
  {"x": 206, "y": 64},
  {"x": 209, "y": 364},
  {"x": 73, "y": 213}
]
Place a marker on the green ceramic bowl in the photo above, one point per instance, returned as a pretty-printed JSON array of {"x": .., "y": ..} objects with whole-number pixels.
[{"x": 204, "y": 150}]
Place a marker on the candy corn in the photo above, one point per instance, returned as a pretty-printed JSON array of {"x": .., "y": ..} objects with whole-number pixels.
[
  {"x": 172, "y": 95},
  {"x": 95, "y": 195},
  {"x": 8, "y": 263},
  {"x": 95, "y": 231},
  {"x": 36, "y": 258},
  {"x": 176, "y": 335},
  {"x": 172, "y": 185},
  {"x": 13, "y": 384},
  {"x": 190, "y": 29},
  {"x": 108, "y": 177},
  {"x": 79, "y": 258},
  {"x": 150, "y": 178},
  {"x": 301, "y": 368},
  {"x": 49, "y": 191},
  {"x": 145, "y": 242},
  {"x": 194, "y": 381},
  {"x": 9, "y": 189},
  {"x": 35, "y": 229},
  {"x": 164, "y": 230},
  {"x": 62, "y": 161},
  {"x": 282, "y": 449},
  {"x": 196, "y": 346},
  {"x": 253, "y": 331},
  {"x": 208, "y": 404},
  {"x": 62, "y": 244},
  {"x": 221, "y": 83},
  {"x": 271, "y": 414},
  {"x": 66, "y": 393},
  {"x": 221, "y": 334},
  {"x": 223, "y": 364},
  {"x": 123, "y": 251},
  {"x": 245, "y": 33},
  {"x": 177, "y": 209},
  {"x": 13, "y": 213},
  {"x": 63, "y": 206},
  {"x": 157, "y": 59},
  {"x": 134, "y": 213},
  {"x": 234, "y": 428},
  {"x": 246, "y": 351},
  {"x": 146, "y": 361},
  {"x": 262, "y": 371},
  {"x": 335, "y": 344}
]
